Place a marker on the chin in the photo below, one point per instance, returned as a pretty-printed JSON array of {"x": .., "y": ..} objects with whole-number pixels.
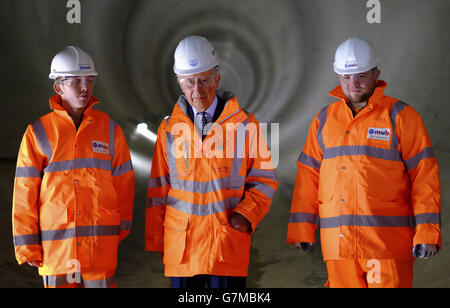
[{"x": 199, "y": 104}]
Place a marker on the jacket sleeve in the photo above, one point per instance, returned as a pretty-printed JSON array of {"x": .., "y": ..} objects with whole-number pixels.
[
  {"x": 123, "y": 178},
  {"x": 158, "y": 189},
  {"x": 25, "y": 212},
  {"x": 422, "y": 167},
  {"x": 304, "y": 214},
  {"x": 261, "y": 181}
]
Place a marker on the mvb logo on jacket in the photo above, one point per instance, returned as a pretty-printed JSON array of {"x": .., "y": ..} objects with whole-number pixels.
[
  {"x": 100, "y": 147},
  {"x": 379, "y": 133}
]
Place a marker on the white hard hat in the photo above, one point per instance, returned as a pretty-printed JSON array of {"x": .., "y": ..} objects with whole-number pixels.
[
  {"x": 355, "y": 56},
  {"x": 194, "y": 54},
  {"x": 72, "y": 61}
]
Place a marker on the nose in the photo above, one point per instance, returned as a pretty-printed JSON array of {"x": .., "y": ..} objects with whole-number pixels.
[
  {"x": 196, "y": 85},
  {"x": 354, "y": 80}
]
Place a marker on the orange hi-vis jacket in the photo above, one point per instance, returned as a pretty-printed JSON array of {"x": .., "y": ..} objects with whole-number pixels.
[
  {"x": 73, "y": 192},
  {"x": 371, "y": 181},
  {"x": 195, "y": 187}
]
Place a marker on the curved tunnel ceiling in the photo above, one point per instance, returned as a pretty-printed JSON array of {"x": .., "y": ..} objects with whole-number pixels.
[
  {"x": 260, "y": 59},
  {"x": 276, "y": 56}
]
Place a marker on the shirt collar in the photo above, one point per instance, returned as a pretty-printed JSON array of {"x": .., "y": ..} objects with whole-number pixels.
[{"x": 211, "y": 109}]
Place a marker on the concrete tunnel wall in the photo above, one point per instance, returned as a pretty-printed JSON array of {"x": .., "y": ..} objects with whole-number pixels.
[{"x": 276, "y": 56}]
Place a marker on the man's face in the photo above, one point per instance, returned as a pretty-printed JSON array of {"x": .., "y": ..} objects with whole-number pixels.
[
  {"x": 76, "y": 91},
  {"x": 200, "y": 89},
  {"x": 359, "y": 87}
]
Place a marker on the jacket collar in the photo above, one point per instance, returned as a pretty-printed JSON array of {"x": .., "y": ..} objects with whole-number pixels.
[
  {"x": 378, "y": 93},
  {"x": 56, "y": 105},
  {"x": 231, "y": 111}
]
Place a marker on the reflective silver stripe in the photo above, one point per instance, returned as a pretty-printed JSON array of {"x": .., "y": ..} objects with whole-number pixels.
[
  {"x": 229, "y": 117},
  {"x": 348, "y": 150},
  {"x": 42, "y": 138},
  {"x": 155, "y": 201},
  {"x": 234, "y": 180},
  {"x": 125, "y": 225},
  {"x": 415, "y": 160},
  {"x": 122, "y": 169},
  {"x": 27, "y": 172},
  {"x": 302, "y": 217},
  {"x": 112, "y": 137},
  {"x": 322, "y": 118},
  {"x": 171, "y": 160},
  {"x": 55, "y": 281},
  {"x": 428, "y": 218},
  {"x": 396, "y": 108},
  {"x": 203, "y": 209},
  {"x": 159, "y": 182},
  {"x": 61, "y": 280},
  {"x": 262, "y": 173},
  {"x": 213, "y": 185},
  {"x": 27, "y": 239},
  {"x": 53, "y": 235},
  {"x": 78, "y": 163},
  {"x": 80, "y": 231},
  {"x": 100, "y": 283},
  {"x": 367, "y": 221},
  {"x": 309, "y": 161},
  {"x": 262, "y": 187},
  {"x": 390, "y": 154}
]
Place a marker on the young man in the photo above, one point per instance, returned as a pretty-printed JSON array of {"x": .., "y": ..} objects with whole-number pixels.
[
  {"x": 369, "y": 176},
  {"x": 208, "y": 187},
  {"x": 74, "y": 184}
]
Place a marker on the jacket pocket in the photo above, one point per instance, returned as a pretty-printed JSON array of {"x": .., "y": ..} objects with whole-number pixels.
[
  {"x": 54, "y": 209},
  {"x": 175, "y": 228},
  {"x": 397, "y": 207},
  {"x": 109, "y": 209},
  {"x": 234, "y": 246},
  {"x": 108, "y": 194}
]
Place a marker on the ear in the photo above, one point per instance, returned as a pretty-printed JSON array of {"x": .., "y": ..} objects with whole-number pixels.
[
  {"x": 57, "y": 87},
  {"x": 377, "y": 74},
  {"x": 218, "y": 77}
]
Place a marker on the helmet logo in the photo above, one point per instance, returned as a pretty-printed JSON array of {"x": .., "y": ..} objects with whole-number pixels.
[
  {"x": 351, "y": 65},
  {"x": 85, "y": 66},
  {"x": 193, "y": 62}
]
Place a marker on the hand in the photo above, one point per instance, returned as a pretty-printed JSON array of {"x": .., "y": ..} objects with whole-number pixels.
[
  {"x": 425, "y": 251},
  {"x": 35, "y": 263},
  {"x": 240, "y": 223},
  {"x": 305, "y": 246}
]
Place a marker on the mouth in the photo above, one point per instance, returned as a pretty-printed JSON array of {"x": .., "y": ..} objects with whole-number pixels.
[{"x": 199, "y": 98}]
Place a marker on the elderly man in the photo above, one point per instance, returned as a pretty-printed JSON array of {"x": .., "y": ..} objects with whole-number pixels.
[
  {"x": 74, "y": 185},
  {"x": 369, "y": 176},
  {"x": 208, "y": 187}
]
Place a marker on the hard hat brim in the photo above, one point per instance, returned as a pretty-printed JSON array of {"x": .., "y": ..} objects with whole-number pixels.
[
  {"x": 356, "y": 70},
  {"x": 72, "y": 74},
  {"x": 182, "y": 72}
]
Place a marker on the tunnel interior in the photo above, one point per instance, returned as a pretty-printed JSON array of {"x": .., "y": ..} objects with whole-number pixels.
[{"x": 276, "y": 56}]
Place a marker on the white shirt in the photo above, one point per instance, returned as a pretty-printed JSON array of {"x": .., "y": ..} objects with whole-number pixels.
[
  {"x": 209, "y": 115},
  {"x": 209, "y": 112}
]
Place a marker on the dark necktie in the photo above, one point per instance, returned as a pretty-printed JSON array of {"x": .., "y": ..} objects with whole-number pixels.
[{"x": 204, "y": 123}]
